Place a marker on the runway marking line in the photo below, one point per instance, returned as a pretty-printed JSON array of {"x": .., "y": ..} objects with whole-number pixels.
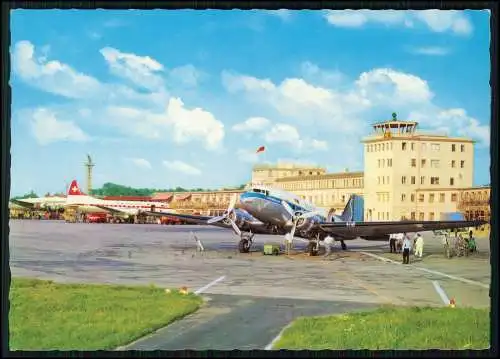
[
  {"x": 212, "y": 283},
  {"x": 464, "y": 280},
  {"x": 441, "y": 292},
  {"x": 278, "y": 337}
]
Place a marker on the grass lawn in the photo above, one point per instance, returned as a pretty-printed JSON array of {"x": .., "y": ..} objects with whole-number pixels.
[
  {"x": 392, "y": 328},
  {"x": 45, "y": 315}
]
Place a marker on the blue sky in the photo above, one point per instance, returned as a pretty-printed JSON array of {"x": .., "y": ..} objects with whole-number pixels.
[{"x": 183, "y": 98}]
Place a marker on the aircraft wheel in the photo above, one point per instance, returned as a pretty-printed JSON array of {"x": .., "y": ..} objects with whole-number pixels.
[
  {"x": 312, "y": 249},
  {"x": 343, "y": 245},
  {"x": 244, "y": 246}
]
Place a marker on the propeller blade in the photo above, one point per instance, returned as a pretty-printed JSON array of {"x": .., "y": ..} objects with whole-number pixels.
[
  {"x": 235, "y": 227},
  {"x": 288, "y": 208},
  {"x": 216, "y": 219},
  {"x": 292, "y": 232}
]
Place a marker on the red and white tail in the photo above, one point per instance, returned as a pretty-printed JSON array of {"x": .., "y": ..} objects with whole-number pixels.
[{"x": 74, "y": 190}]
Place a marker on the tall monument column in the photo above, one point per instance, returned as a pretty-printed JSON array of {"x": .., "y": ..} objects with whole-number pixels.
[{"x": 89, "y": 165}]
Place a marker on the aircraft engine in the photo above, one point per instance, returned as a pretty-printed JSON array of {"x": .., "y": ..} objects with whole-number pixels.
[
  {"x": 237, "y": 218},
  {"x": 304, "y": 225}
]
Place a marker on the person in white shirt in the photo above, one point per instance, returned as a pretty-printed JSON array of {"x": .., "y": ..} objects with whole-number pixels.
[
  {"x": 406, "y": 249},
  {"x": 329, "y": 240},
  {"x": 419, "y": 245}
]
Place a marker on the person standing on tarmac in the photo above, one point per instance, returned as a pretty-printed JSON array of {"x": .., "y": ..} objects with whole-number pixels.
[
  {"x": 328, "y": 245},
  {"x": 392, "y": 242},
  {"x": 406, "y": 249},
  {"x": 419, "y": 246}
]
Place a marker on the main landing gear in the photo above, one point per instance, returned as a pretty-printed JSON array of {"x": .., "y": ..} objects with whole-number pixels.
[
  {"x": 343, "y": 245},
  {"x": 245, "y": 242}
]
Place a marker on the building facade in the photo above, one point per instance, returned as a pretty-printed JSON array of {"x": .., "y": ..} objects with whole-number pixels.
[
  {"x": 268, "y": 174},
  {"x": 474, "y": 203},
  {"x": 327, "y": 191},
  {"x": 414, "y": 175},
  {"x": 407, "y": 174}
]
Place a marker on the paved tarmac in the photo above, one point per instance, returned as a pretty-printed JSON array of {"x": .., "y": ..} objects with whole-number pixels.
[{"x": 261, "y": 293}]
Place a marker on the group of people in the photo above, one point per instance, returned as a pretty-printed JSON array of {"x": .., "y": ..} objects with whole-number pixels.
[
  {"x": 401, "y": 243},
  {"x": 460, "y": 244}
]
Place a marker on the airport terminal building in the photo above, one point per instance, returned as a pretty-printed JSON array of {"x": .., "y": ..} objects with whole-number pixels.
[{"x": 407, "y": 174}]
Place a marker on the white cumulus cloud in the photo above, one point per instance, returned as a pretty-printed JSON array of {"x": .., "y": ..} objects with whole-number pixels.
[
  {"x": 343, "y": 113},
  {"x": 252, "y": 124},
  {"x": 177, "y": 122},
  {"x": 439, "y": 21},
  {"x": 182, "y": 167},
  {"x": 141, "y": 162},
  {"x": 141, "y": 70},
  {"x": 51, "y": 76},
  {"x": 47, "y": 128}
]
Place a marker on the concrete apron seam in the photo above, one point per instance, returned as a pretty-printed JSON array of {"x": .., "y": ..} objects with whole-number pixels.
[
  {"x": 464, "y": 280},
  {"x": 198, "y": 291}
]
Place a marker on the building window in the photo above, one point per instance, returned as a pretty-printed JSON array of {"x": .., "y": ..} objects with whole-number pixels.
[
  {"x": 412, "y": 179},
  {"x": 403, "y": 197},
  {"x": 412, "y": 146},
  {"x": 403, "y": 180},
  {"x": 389, "y": 162},
  {"x": 431, "y": 198},
  {"x": 383, "y": 179},
  {"x": 413, "y": 162},
  {"x": 453, "y": 147},
  {"x": 421, "y": 216},
  {"x": 462, "y": 164},
  {"x": 422, "y": 179},
  {"x": 422, "y": 163},
  {"x": 452, "y": 181},
  {"x": 434, "y": 180},
  {"x": 412, "y": 216},
  {"x": 378, "y": 163},
  {"x": 462, "y": 148},
  {"x": 431, "y": 216},
  {"x": 403, "y": 146},
  {"x": 412, "y": 197},
  {"x": 453, "y": 164},
  {"x": 441, "y": 197},
  {"x": 387, "y": 215},
  {"x": 435, "y": 146},
  {"x": 421, "y": 197},
  {"x": 435, "y": 163}
]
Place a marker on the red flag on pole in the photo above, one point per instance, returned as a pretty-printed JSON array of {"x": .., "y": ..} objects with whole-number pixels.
[{"x": 260, "y": 149}]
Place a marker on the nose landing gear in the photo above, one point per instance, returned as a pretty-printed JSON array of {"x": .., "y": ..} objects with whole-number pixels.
[{"x": 245, "y": 242}]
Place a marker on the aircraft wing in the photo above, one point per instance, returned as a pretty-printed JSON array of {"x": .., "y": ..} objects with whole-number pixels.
[
  {"x": 22, "y": 203},
  {"x": 109, "y": 209},
  {"x": 378, "y": 229},
  {"x": 248, "y": 225}
]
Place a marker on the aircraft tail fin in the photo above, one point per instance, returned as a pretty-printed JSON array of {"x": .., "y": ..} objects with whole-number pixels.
[
  {"x": 354, "y": 210},
  {"x": 74, "y": 189}
]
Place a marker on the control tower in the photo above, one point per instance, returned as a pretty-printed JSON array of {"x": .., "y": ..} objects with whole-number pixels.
[
  {"x": 89, "y": 166},
  {"x": 394, "y": 128}
]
